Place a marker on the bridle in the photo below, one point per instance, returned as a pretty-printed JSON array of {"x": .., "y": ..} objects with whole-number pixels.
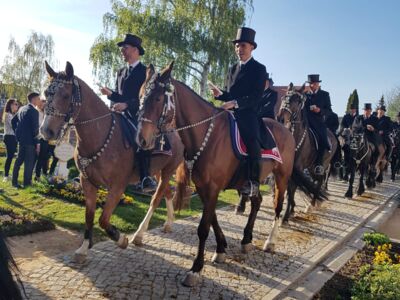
[
  {"x": 71, "y": 116},
  {"x": 293, "y": 119}
]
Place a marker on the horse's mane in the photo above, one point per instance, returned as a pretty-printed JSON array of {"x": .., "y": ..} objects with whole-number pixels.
[{"x": 197, "y": 95}]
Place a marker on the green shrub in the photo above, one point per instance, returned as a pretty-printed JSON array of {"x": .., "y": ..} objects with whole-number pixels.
[
  {"x": 376, "y": 238},
  {"x": 380, "y": 281}
]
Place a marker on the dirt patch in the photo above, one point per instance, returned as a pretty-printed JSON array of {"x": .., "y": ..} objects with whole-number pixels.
[
  {"x": 33, "y": 250},
  {"x": 339, "y": 286}
]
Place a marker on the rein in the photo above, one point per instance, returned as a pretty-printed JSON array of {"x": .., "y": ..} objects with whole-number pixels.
[{"x": 71, "y": 116}]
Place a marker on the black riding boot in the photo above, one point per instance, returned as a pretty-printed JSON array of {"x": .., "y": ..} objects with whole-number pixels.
[
  {"x": 143, "y": 160},
  {"x": 319, "y": 168},
  {"x": 251, "y": 187}
]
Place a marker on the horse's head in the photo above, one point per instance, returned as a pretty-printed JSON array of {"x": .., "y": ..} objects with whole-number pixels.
[
  {"x": 345, "y": 137},
  {"x": 157, "y": 108},
  {"x": 62, "y": 95},
  {"x": 292, "y": 104},
  {"x": 358, "y": 138}
]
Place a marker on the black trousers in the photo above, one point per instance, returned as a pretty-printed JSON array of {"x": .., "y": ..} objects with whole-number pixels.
[
  {"x": 249, "y": 128},
  {"x": 42, "y": 159},
  {"x": 54, "y": 162},
  {"x": 26, "y": 156},
  {"x": 320, "y": 129},
  {"x": 143, "y": 159},
  {"x": 11, "y": 147}
]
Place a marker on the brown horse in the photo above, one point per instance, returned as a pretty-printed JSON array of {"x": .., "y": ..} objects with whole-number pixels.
[
  {"x": 294, "y": 117},
  {"x": 101, "y": 154},
  {"x": 204, "y": 130}
]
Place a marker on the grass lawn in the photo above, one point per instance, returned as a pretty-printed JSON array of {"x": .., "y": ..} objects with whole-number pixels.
[{"x": 68, "y": 215}]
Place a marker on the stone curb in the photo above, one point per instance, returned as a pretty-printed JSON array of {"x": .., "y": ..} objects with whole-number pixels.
[{"x": 330, "y": 261}]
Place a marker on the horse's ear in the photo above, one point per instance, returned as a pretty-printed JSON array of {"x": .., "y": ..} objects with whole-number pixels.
[
  {"x": 166, "y": 73},
  {"x": 69, "y": 70},
  {"x": 49, "y": 70},
  {"x": 150, "y": 71},
  {"x": 290, "y": 86}
]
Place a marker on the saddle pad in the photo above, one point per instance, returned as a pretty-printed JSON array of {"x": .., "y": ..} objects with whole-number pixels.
[
  {"x": 162, "y": 145},
  {"x": 239, "y": 148}
]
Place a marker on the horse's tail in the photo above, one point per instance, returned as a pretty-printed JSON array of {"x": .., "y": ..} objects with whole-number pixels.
[
  {"x": 307, "y": 186},
  {"x": 180, "y": 199},
  {"x": 8, "y": 287}
]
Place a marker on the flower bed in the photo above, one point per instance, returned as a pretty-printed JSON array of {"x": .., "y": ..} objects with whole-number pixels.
[
  {"x": 373, "y": 273},
  {"x": 13, "y": 223},
  {"x": 72, "y": 192}
]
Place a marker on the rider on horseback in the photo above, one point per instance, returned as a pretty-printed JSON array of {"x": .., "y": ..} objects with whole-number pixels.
[
  {"x": 269, "y": 99},
  {"x": 318, "y": 106},
  {"x": 370, "y": 124},
  {"x": 126, "y": 97},
  {"x": 348, "y": 118},
  {"x": 385, "y": 127},
  {"x": 244, "y": 87}
]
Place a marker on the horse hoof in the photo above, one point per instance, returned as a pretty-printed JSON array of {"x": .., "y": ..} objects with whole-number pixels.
[
  {"x": 167, "y": 228},
  {"x": 269, "y": 247},
  {"x": 79, "y": 258},
  {"x": 136, "y": 240},
  {"x": 246, "y": 248},
  {"x": 284, "y": 224},
  {"x": 218, "y": 258},
  {"x": 123, "y": 242},
  {"x": 192, "y": 279},
  {"x": 239, "y": 211},
  {"x": 318, "y": 205}
]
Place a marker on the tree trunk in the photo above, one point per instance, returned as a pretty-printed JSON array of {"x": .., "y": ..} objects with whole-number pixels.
[{"x": 204, "y": 77}]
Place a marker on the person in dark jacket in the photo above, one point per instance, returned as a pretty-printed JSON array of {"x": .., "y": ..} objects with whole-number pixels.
[
  {"x": 385, "y": 127},
  {"x": 26, "y": 127},
  {"x": 268, "y": 100},
  {"x": 318, "y": 107},
  {"x": 348, "y": 118},
  {"x": 370, "y": 124},
  {"x": 332, "y": 122},
  {"x": 125, "y": 97},
  {"x": 244, "y": 87}
]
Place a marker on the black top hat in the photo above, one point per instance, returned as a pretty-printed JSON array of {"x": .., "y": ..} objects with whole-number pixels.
[
  {"x": 353, "y": 106},
  {"x": 134, "y": 41},
  {"x": 382, "y": 107},
  {"x": 367, "y": 106},
  {"x": 245, "y": 34},
  {"x": 313, "y": 78}
]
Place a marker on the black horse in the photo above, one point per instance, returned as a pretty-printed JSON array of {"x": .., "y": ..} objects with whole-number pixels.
[
  {"x": 9, "y": 289},
  {"x": 359, "y": 158},
  {"x": 395, "y": 161}
]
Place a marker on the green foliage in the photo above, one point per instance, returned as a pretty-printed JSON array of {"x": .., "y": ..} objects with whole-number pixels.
[
  {"x": 393, "y": 107},
  {"x": 353, "y": 98},
  {"x": 196, "y": 34},
  {"x": 381, "y": 281},
  {"x": 23, "y": 69},
  {"x": 376, "y": 238}
]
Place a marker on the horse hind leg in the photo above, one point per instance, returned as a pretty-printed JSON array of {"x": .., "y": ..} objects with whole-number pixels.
[
  {"x": 137, "y": 238},
  {"x": 291, "y": 190},
  {"x": 281, "y": 183},
  {"x": 90, "y": 193},
  {"x": 113, "y": 197}
]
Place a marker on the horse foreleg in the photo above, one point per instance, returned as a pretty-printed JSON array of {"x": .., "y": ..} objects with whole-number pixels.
[
  {"x": 209, "y": 199},
  {"x": 90, "y": 192},
  {"x": 248, "y": 230},
  {"x": 113, "y": 197},
  {"x": 349, "y": 193},
  {"x": 361, "y": 188},
  {"x": 137, "y": 238},
  {"x": 280, "y": 188},
  {"x": 290, "y": 203},
  {"x": 219, "y": 255},
  {"x": 241, "y": 207}
]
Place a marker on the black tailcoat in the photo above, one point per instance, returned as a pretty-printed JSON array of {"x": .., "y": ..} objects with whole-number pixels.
[
  {"x": 267, "y": 104},
  {"x": 127, "y": 87},
  {"x": 348, "y": 120},
  {"x": 246, "y": 87},
  {"x": 385, "y": 124},
  {"x": 332, "y": 122},
  {"x": 317, "y": 120}
]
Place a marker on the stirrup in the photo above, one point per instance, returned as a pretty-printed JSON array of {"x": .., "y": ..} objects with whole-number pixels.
[{"x": 319, "y": 170}]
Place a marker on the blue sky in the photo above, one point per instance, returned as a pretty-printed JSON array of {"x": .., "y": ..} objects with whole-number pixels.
[{"x": 351, "y": 43}]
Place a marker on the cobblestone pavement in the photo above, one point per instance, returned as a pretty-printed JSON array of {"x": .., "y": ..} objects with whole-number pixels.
[{"x": 154, "y": 271}]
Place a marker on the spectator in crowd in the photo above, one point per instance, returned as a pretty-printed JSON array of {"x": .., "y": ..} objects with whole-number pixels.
[
  {"x": 43, "y": 157},
  {"x": 10, "y": 109},
  {"x": 26, "y": 126}
]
